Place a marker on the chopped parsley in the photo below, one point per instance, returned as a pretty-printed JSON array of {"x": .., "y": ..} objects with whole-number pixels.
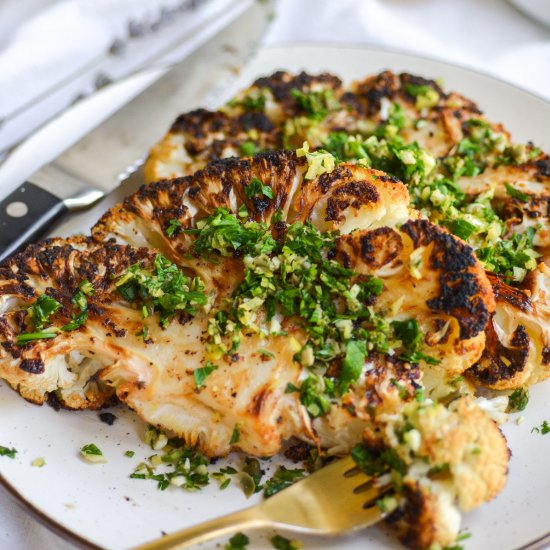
[
  {"x": 377, "y": 463},
  {"x": 223, "y": 476},
  {"x": 411, "y": 338},
  {"x": 518, "y": 399},
  {"x": 248, "y": 149},
  {"x": 172, "y": 228},
  {"x": 318, "y": 104},
  {"x": 40, "y": 313},
  {"x": 254, "y": 101},
  {"x": 294, "y": 277},
  {"x": 76, "y": 322},
  {"x": 257, "y": 188},
  {"x": 41, "y": 310},
  {"x": 79, "y": 300},
  {"x": 462, "y": 228},
  {"x": 282, "y": 479},
  {"x": 222, "y": 232},
  {"x": 92, "y": 453},
  {"x": 235, "y": 435},
  {"x": 45, "y": 306},
  {"x": 202, "y": 373},
  {"x": 237, "y": 542},
  {"x": 352, "y": 367},
  {"x": 176, "y": 465},
  {"x": 315, "y": 394},
  {"x": 512, "y": 258},
  {"x": 282, "y": 543},
  {"x": 129, "y": 454},
  {"x": 516, "y": 193},
  {"x": 425, "y": 95},
  {"x": 543, "y": 429},
  {"x": 6, "y": 451},
  {"x": 253, "y": 470},
  {"x": 164, "y": 288}
]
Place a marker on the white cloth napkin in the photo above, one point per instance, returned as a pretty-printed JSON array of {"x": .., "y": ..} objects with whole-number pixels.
[
  {"x": 489, "y": 35},
  {"x": 72, "y": 47}
]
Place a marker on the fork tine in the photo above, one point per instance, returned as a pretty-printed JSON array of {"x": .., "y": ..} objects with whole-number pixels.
[
  {"x": 374, "y": 493},
  {"x": 342, "y": 466},
  {"x": 342, "y": 473}
]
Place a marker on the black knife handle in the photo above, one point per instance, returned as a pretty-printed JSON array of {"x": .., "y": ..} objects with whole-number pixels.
[{"x": 25, "y": 215}]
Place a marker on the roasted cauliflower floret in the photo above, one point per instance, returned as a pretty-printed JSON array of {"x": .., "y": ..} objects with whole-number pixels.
[
  {"x": 518, "y": 335},
  {"x": 457, "y": 299},
  {"x": 64, "y": 364},
  {"x": 441, "y": 460}
]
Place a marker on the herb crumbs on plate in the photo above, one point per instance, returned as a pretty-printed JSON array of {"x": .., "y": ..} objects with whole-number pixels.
[{"x": 6, "y": 451}]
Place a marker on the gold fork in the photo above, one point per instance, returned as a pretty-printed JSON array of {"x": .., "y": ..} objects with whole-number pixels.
[{"x": 336, "y": 499}]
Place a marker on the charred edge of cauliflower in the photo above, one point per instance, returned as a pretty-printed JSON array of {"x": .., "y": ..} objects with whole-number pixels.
[
  {"x": 465, "y": 291},
  {"x": 440, "y": 461},
  {"x": 63, "y": 370},
  {"x": 515, "y": 353}
]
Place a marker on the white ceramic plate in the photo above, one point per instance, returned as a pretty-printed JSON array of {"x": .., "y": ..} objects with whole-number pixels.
[
  {"x": 539, "y": 10},
  {"x": 99, "y": 506}
]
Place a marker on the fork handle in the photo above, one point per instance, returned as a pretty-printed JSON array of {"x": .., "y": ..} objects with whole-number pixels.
[{"x": 252, "y": 517}]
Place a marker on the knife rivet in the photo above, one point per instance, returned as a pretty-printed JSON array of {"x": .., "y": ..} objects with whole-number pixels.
[{"x": 17, "y": 209}]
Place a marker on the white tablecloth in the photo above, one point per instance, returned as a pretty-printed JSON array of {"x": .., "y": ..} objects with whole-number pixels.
[{"x": 489, "y": 35}]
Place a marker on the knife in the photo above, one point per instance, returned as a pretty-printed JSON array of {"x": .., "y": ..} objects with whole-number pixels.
[{"x": 96, "y": 164}]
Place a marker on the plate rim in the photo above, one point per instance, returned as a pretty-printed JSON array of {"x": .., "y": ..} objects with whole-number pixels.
[
  {"x": 64, "y": 532},
  {"x": 406, "y": 53}
]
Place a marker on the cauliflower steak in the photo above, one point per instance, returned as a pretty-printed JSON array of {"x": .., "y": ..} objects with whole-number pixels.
[
  {"x": 228, "y": 347},
  {"x": 462, "y": 170}
]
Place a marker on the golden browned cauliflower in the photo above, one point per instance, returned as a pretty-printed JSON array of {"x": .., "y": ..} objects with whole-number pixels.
[
  {"x": 233, "y": 305},
  {"x": 463, "y": 171},
  {"x": 440, "y": 461}
]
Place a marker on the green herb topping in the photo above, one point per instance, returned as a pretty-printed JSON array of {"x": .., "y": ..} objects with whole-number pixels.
[
  {"x": 282, "y": 479},
  {"x": 317, "y": 105},
  {"x": 282, "y": 543},
  {"x": 235, "y": 436},
  {"x": 202, "y": 373},
  {"x": 518, "y": 399},
  {"x": 6, "y": 451},
  {"x": 433, "y": 184},
  {"x": 294, "y": 277},
  {"x": 92, "y": 453},
  {"x": 45, "y": 307},
  {"x": 165, "y": 289},
  {"x": 543, "y": 429},
  {"x": 516, "y": 193},
  {"x": 257, "y": 188},
  {"x": 42, "y": 309},
  {"x": 176, "y": 465},
  {"x": 172, "y": 228},
  {"x": 237, "y": 542}
]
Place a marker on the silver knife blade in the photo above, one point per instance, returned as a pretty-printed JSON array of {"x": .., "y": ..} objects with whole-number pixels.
[
  {"x": 102, "y": 159},
  {"x": 95, "y": 165}
]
